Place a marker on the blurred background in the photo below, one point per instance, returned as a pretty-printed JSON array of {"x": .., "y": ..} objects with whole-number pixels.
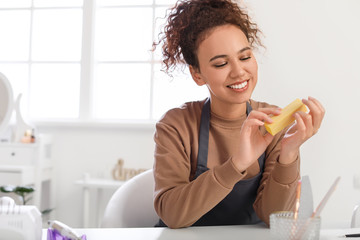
[{"x": 89, "y": 80}]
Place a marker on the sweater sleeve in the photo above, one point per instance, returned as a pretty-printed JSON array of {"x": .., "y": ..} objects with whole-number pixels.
[
  {"x": 277, "y": 190},
  {"x": 178, "y": 201}
]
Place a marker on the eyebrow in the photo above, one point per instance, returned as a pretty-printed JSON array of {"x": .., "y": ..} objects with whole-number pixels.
[{"x": 223, "y": 56}]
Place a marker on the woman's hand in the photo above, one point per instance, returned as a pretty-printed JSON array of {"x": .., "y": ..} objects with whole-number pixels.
[
  {"x": 252, "y": 142},
  {"x": 306, "y": 126}
]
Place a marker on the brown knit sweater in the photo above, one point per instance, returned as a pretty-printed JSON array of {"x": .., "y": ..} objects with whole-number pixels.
[{"x": 180, "y": 201}]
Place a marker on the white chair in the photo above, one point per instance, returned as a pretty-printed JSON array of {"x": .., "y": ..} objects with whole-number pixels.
[
  {"x": 132, "y": 204},
  {"x": 355, "y": 220}
]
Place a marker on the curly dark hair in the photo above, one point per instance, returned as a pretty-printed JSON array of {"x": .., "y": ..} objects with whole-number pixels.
[{"x": 189, "y": 21}]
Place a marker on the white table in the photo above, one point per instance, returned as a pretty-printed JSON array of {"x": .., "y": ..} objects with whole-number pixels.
[
  {"x": 194, "y": 233},
  {"x": 99, "y": 184}
]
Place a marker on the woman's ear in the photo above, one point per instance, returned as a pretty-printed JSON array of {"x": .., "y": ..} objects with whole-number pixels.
[{"x": 196, "y": 75}]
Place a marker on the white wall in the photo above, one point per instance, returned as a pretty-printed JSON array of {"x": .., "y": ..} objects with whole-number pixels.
[
  {"x": 93, "y": 150},
  {"x": 312, "y": 49}
]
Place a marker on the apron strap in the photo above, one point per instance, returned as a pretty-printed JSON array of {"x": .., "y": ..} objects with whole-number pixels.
[
  {"x": 248, "y": 108},
  {"x": 203, "y": 139}
]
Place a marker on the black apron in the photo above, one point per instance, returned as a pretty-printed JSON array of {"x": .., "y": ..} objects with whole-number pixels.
[{"x": 237, "y": 207}]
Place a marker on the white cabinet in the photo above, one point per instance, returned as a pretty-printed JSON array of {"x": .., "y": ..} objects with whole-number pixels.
[{"x": 29, "y": 164}]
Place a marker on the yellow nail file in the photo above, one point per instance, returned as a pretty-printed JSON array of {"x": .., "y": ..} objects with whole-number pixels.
[{"x": 285, "y": 118}]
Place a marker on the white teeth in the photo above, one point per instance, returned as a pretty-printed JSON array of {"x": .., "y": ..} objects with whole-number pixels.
[{"x": 238, "y": 86}]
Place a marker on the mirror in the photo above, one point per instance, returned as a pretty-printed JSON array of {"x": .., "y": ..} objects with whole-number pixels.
[{"x": 6, "y": 102}]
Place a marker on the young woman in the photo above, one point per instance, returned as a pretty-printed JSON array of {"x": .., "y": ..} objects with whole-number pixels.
[{"x": 214, "y": 162}]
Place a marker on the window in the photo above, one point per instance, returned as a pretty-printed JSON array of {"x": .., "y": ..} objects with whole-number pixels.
[
  {"x": 89, "y": 60},
  {"x": 41, "y": 54}
]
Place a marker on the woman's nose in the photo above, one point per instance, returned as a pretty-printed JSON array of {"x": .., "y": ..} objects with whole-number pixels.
[{"x": 237, "y": 70}]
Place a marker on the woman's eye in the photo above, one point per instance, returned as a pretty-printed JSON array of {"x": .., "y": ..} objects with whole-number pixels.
[
  {"x": 220, "y": 65},
  {"x": 245, "y": 58}
]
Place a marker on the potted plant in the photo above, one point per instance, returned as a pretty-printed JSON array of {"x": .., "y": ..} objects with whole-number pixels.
[
  {"x": 21, "y": 191},
  {"x": 24, "y": 194}
]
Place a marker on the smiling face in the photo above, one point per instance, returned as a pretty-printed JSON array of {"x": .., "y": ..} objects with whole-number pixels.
[{"x": 228, "y": 68}]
